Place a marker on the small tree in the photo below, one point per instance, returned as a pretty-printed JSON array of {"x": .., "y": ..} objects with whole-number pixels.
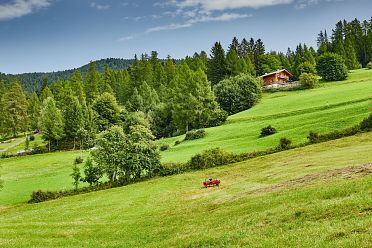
[
  {"x": 308, "y": 80},
  {"x": 331, "y": 67},
  {"x": 369, "y": 65},
  {"x": 27, "y": 144},
  {"x": 92, "y": 173},
  {"x": 76, "y": 176},
  {"x": 266, "y": 131}
]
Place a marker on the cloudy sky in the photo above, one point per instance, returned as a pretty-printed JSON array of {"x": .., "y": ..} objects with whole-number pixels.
[{"x": 51, "y": 35}]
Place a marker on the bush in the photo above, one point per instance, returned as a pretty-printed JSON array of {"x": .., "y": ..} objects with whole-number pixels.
[
  {"x": 238, "y": 93},
  {"x": 308, "y": 80},
  {"x": 331, "y": 67},
  {"x": 78, "y": 160},
  {"x": 37, "y": 149},
  {"x": 41, "y": 196},
  {"x": 217, "y": 118},
  {"x": 306, "y": 67},
  {"x": 195, "y": 134},
  {"x": 211, "y": 158},
  {"x": 313, "y": 137},
  {"x": 164, "y": 147},
  {"x": 366, "y": 124},
  {"x": 266, "y": 131},
  {"x": 177, "y": 143},
  {"x": 285, "y": 143},
  {"x": 92, "y": 173},
  {"x": 171, "y": 169},
  {"x": 32, "y": 137},
  {"x": 369, "y": 65}
]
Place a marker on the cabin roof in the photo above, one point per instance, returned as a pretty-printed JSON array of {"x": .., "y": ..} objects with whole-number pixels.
[{"x": 276, "y": 72}]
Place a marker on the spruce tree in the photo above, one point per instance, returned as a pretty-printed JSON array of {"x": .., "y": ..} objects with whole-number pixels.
[
  {"x": 73, "y": 119},
  {"x": 77, "y": 85},
  {"x": 15, "y": 109},
  {"x": 91, "y": 83},
  {"x": 217, "y": 64},
  {"x": 51, "y": 122},
  {"x": 34, "y": 107}
]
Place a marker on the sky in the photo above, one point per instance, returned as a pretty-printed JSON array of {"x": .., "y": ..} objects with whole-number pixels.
[{"x": 53, "y": 35}]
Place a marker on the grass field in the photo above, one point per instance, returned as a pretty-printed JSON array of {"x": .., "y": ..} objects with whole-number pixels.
[
  {"x": 331, "y": 106},
  {"x": 306, "y": 197}
]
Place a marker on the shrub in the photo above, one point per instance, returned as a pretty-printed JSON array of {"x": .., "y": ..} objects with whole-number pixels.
[
  {"x": 284, "y": 143},
  {"x": 238, "y": 93},
  {"x": 366, "y": 124},
  {"x": 308, "y": 80},
  {"x": 217, "y": 118},
  {"x": 41, "y": 196},
  {"x": 32, "y": 137},
  {"x": 177, "y": 142},
  {"x": 195, "y": 134},
  {"x": 313, "y": 137},
  {"x": 331, "y": 67},
  {"x": 306, "y": 67},
  {"x": 211, "y": 158},
  {"x": 171, "y": 169},
  {"x": 37, "y": 149},
  {"x": 164, "y": 147},
  {"x": 266, "y": 131},
  {"x": 78, "y": 160},
  {"x": 92, "y": 173},
  {"x": 369, "y": 65}
]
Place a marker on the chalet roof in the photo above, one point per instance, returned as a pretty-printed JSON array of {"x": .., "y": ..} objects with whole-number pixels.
[{"x": 276, "y": 72}]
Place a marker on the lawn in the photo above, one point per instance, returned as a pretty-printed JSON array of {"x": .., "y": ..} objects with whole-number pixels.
[
  {"x": 334, "y": 105},
  {"x": 259, "y": 204}
]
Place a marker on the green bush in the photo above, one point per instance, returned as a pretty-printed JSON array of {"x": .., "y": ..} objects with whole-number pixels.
[
  {"x": 195, "y": 134},
  {"x": 41, "y": 196},
  {"x": 308, "y": 80},
  {"x": 32, "y": 137},
  {"x": 92, "y": 173},
  {"x": 164, "y": 147},
  {"x": 169, "y": 169},
  {"x": 331, "y": 67},
  {"x": 266, "y": 131},
  {"x": 366, "y": 124},
  {"x": 78, "y": 160},
  {"x": 369, "y": 65},
  {"x": 238, "y": 93},
  {"x": 284, "y": 143},
  {"x": 313, "y": 137},
  {"x": 211, "y": 158},
  {"x": 306, "y": 67},
  {"x": 177, "y": 143}
]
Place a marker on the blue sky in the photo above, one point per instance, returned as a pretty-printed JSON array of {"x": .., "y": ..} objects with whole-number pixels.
[{"x": 51, "y": 35}]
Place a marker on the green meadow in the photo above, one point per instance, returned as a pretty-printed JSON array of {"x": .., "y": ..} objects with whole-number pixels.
[
  {"x": 294, "y": 114},
  {"x": 315, "y": 196}
]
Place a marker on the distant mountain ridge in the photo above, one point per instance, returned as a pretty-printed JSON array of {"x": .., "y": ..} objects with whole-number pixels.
[{"x": 34, "y": 80}]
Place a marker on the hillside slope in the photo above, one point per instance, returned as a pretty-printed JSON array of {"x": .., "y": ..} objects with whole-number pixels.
[
  {"x": 332, "y": 106},
  {"x": 316, "y": 196}
]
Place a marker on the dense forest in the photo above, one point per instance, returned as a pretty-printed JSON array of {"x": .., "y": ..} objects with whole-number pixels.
[{"x": 167, "y": 96}]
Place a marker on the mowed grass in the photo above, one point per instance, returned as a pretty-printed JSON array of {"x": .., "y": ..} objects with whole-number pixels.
[
  {"x": 22, "y": 175},
  {"x": 331, "y": 211},
  {"x": 332, "y": 106}
]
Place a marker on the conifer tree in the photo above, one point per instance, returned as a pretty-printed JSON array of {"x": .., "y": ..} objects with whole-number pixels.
[
  {"x": 15, "y": 109},
  {"x": 73, "y": 119},
  {"x": 217, "y": 64},
  {"x": 91, "y": 83},
  {"x": 77, "y": 85},
  {"x": 34, "y": 107},
  {"x": 51, "y": 122}
]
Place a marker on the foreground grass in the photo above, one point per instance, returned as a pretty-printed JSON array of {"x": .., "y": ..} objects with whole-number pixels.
[
  {"x": 331, "y": 211},
  {"x": 331, "y": 106}
]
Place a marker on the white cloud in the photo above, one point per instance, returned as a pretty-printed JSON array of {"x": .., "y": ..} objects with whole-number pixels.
[
  {"x": 211, "y": 5},
  {"x": 126, "y": 38},
  {"x": 18, "y": 8},
  {"x": 99, "y": 6}
]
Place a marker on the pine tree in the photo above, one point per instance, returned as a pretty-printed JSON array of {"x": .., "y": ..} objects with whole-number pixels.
[
  {"x": 34, "y": 107},
  {"x": 51, "y": 122},
  {"x": 217, "y": 64},
  {"x": 91, "y": 83},
  {"x": 234, "y": 44},
  {"x": 258, "y": 52},
  {"x": 15, "y": 109},
  {"x": 45, "y": 93},
  {"x": 77, "y": 85},
  {"x": 234, "y": 64},
  {"x": 351, "y": 60},
  {"x": 73, "y": 119}
]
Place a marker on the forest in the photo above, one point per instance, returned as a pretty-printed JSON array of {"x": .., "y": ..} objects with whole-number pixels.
[{"x": 170, "y": 96}]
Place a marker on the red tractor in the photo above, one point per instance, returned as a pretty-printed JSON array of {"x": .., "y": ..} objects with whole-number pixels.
[{"x": 211, "y": 183}]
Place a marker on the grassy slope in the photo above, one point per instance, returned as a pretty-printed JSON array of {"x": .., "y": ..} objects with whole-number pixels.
[
  {"x": 22, "y": 175},
  {"x": 332, "y": 106},
  {"x": 176, "y": 212}
]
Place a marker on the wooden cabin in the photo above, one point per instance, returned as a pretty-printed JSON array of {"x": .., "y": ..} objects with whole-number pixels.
[{"x": 277, "y": 77}]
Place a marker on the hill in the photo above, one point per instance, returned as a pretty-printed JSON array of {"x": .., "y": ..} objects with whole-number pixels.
[
  {"x": 332, "y": 106},
  {"x": 32, "y": 81},
  {"x": 316, "y": 196}
]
